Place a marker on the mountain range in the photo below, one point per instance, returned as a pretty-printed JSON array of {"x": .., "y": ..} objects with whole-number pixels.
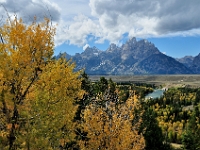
[{"x": 133, "y": 57}]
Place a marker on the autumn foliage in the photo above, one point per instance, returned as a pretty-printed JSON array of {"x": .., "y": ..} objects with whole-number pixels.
[
  {"x": 43, "y": 101},
  {"x": 113, "y": 127},
  {"x": 37, "y": 93}
]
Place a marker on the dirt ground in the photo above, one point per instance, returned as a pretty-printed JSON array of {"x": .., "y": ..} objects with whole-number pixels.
[{"x": 164, "y": 80}]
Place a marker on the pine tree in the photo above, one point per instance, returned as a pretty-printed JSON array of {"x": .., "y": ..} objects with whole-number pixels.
[
  {"x": 191, "y": 135},
  {"x": 154, "y": 139}
]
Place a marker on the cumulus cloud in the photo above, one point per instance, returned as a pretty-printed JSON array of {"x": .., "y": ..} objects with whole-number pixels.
[
  {"x": 78, "y": 31},
  {"x": 179, "y": 16},
  {"x": 102, "y": 20},
  {"x": 71, "y": 8},
  {"x": 139, "y": 18},
  {"x": 145, "y": 18},
  {"x": 111, "y": 19},
  {"x": 28, "y": 9}
]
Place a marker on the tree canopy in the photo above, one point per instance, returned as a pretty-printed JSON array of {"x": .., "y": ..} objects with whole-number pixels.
[{"x": 37, "y": 93}]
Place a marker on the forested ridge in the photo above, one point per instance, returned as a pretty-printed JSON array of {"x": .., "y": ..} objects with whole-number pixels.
[{"x": 45, "y": 104}]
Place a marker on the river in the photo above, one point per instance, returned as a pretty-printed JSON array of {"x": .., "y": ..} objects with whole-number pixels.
[{"x": 155, "y": 94}]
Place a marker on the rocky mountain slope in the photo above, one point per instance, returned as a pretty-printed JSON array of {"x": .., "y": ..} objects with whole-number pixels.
[
  {"x": 133, "y": 57},
  {"x": 187, "y": 60},
  {"x": 193, "y": 63},
  {"x": 195, "y": 66}
]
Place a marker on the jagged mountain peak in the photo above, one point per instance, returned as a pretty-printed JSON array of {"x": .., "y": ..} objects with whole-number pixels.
[
  {"x": 133, "y": 57},
  {"x": 112, "y": 47},
  {"x": 91, "y": 49},
  {"x": 129, "y": 44},
  {"x": 198, "y": 55},
  {"x": 132, "y": 40}
]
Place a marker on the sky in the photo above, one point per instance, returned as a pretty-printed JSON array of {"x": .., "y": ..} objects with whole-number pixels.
[{"x": 172, "y": 25}]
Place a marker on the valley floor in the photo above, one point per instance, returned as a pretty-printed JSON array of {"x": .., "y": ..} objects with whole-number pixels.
[{"x": 164, "y": 80}]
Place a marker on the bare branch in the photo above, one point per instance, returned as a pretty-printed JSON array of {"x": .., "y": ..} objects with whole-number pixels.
[
  {"x": 8, "y": 16},
  {"x": 1, "y": 37}
]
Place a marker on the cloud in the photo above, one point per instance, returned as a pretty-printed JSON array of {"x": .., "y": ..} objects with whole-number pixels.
[
  {"x": 77, "y": 32},
  {"x": 102, "y": 20},
  {"x": 179, "y": 16},
  {"x": 28, "y": 9},
  {"x": 71, "y": 8},
  {"x": 111, "y": 19},
  {"x": 145, "y": 18}
]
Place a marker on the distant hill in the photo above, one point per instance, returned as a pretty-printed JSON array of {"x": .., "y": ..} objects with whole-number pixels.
[
  {"x": 133, "y": 57},
  {"x": 193, "y": 63},
  {"x": 187, "y": 60}
]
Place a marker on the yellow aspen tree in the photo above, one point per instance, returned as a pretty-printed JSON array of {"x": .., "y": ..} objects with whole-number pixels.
[
  {"x": 53, "y": 109},
  {"x": 24, "y": 50},
  {"x": 113, "y": 127},
  {"x": 36, "y": 92}
]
